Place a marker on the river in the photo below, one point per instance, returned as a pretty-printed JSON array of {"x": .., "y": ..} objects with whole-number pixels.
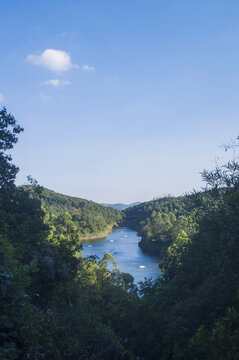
[{"x": 122, "y": 243}]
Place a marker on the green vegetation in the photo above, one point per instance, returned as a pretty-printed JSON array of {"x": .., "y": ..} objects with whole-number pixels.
[
  {"x": 161, "y": 221},
  {"x": 57, "y": 305},
  {"x": 192, "y": 311},
  {"x": 54, "y": 304},
  {"x": 90, "y": 219}
]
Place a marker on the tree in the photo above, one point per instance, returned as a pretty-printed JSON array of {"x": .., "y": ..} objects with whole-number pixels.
[{"x": 8, "y": 137}]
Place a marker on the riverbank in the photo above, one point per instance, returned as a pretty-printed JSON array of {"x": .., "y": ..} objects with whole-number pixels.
[
  {"x": 153, "y": 248},
  {"x": 100, "y": 235}
]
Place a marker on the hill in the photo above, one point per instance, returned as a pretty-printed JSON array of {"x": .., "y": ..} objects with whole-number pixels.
[
  {"x": 120, "y": 206},
  {"x": 90, "y": 218},
  {"x": 158, "y": 221}
]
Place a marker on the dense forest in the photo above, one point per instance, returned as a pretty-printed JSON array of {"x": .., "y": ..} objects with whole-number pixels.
[
  {"x": 90, "y": 219},
  {"x": 56, "y": 304},
  {"x": 160, "y": 221}
]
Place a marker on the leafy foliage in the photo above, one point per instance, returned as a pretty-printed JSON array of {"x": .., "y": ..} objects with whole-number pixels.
[
  {"x": 90, "y": 219},
  {"x": 160, "y": 221},
  {"x": 8, "y": 137},
  {"x": 192, "y": 311},
  {"x": 55, "y": 304}
]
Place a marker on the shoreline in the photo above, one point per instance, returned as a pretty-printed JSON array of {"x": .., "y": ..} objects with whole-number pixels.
[
  {"x": 153, "y": 249},
  {"x": 99, "y": 236}
]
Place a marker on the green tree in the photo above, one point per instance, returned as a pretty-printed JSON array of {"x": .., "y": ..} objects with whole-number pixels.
[{"x": 8, "y": 137}]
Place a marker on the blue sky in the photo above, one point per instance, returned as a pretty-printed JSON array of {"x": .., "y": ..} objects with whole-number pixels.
[{"x": 121, "y": 101}]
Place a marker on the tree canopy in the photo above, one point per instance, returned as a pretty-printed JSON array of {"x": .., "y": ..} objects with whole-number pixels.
[
  {"x": 55, "y": 304},
  {"x": 8, "y": 137}
]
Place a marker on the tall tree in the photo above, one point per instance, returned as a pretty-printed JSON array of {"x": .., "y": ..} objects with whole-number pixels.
[{"x": 9, "y": 129}]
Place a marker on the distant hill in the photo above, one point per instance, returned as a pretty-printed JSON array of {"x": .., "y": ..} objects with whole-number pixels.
[
  {"x": 91, "y": 219},
  {"x": 120, "y": 206}
]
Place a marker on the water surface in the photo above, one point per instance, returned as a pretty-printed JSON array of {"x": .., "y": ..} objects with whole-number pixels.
[{"x": 122, "y": 243}]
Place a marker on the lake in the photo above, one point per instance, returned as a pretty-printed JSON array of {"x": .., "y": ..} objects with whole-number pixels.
[{"x": 122, "y": 243}]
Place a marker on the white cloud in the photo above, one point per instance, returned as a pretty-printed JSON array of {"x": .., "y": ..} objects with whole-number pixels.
[
  {"x": 65, "y": 34},
  {"x": 88, "y": 68},
  {"x": 44, "y": 98},
  {"x": 55, "y": 60},
  {"x": 57, "y": 82},
  {"x": 1, "y": 97}
]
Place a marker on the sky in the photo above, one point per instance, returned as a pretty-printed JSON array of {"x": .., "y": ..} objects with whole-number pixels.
[{"x": 120, "y": 101}]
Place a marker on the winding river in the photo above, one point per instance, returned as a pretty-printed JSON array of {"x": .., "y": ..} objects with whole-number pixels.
[{"x": 122, "y": 243}]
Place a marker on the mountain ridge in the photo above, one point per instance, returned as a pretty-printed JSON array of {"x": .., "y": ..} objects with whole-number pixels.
[{"x": 120, "y": 206}]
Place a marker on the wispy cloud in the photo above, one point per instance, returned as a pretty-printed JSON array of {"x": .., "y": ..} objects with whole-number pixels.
[
  {"x": 65, "y": 34},
  {"x": 55, "y": 60},
  {"x": 88, "y": 68},
  {"x": 57, "y": 82},
  {"x": 1, "y": 97},
  {"x": 44, "y": 98}
]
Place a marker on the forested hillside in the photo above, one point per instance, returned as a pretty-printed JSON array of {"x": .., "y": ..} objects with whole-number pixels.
[
  {"x": 160, "y": 221},
  {"x": 91, "y": 219},
  {"x": 56, "y": 305},
  {"x": 192, "y": 312},
  {"x": 121, "y": 206}
]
